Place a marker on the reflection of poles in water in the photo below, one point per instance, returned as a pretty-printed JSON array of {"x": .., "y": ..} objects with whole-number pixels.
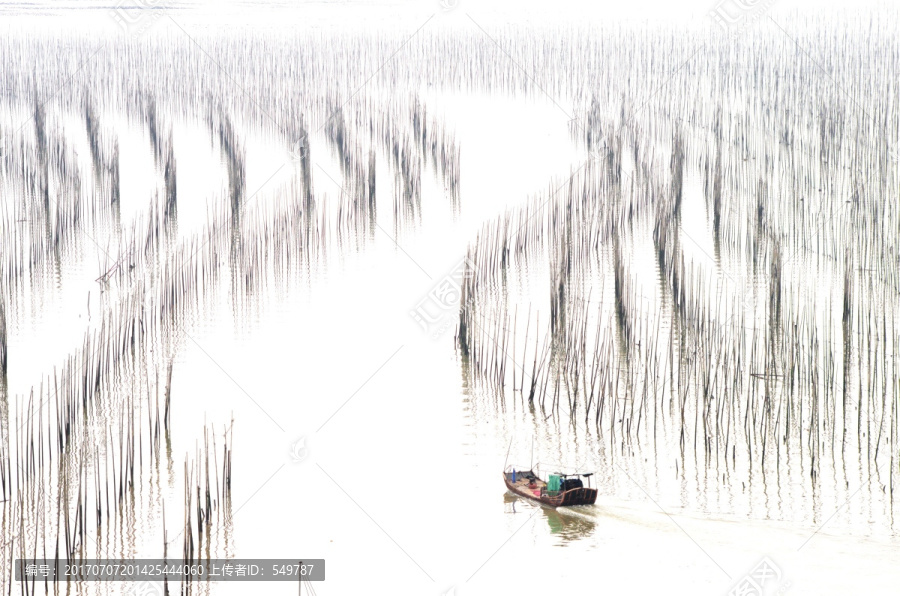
[{"x": 510, "y": 500}]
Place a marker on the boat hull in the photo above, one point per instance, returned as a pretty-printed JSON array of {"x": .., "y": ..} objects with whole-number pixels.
[{"x": 571, "y": 497}]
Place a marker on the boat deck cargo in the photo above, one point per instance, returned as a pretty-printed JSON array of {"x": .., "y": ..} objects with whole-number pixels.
[{"x": 561, "y": 490}]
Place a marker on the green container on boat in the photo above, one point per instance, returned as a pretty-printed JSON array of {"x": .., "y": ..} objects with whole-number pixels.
[{"x": 553, "y": 482}]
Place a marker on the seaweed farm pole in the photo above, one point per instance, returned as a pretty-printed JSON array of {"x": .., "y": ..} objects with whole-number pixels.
[
  {"x": 515, "y": 320},
  {"x": 524, "y": 349},
  {"x": 2, "y": 339},
  {"x": 531, "y": 463}
]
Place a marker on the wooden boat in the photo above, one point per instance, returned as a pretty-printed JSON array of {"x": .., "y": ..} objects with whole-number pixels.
[{"x": 525, "y": 483}]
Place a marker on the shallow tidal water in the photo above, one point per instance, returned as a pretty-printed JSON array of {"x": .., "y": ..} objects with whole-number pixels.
[{"x": 362, "y": 438}]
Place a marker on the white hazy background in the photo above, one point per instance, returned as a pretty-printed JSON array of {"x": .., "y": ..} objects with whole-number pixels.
[{"x": 379, "y": 13}]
